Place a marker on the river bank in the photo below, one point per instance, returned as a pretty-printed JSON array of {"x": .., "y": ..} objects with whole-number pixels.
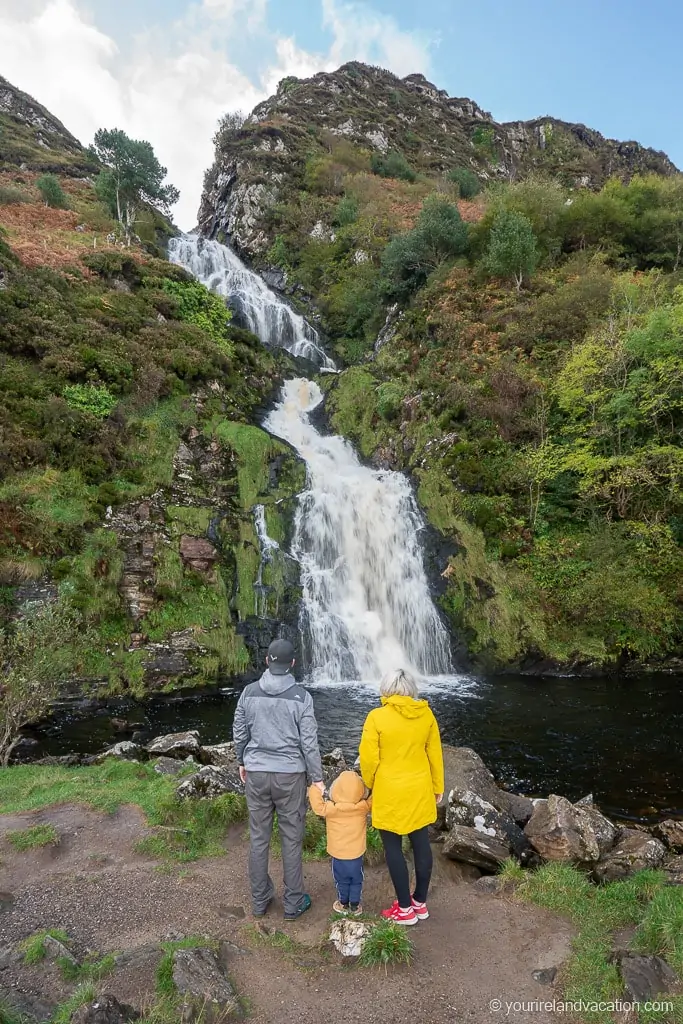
[{"x": 620, "y": 739}]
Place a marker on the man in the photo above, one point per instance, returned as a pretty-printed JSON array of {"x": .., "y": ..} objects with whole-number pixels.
[{"x": 276, "y": 744}]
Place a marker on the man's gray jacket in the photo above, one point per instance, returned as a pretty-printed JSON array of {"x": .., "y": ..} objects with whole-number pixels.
[{"x": 275, "y": 728}]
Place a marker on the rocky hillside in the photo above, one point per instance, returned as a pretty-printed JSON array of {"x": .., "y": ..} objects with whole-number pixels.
[
  {"x": 260, "y": 166},
  {"x": 129, "y": 462},
  {"x": 32, "y": 139},
  {"x": 507, "y": 302}
]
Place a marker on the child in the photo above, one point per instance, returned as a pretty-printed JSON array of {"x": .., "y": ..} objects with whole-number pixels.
[{"x": 346, "y": 815}]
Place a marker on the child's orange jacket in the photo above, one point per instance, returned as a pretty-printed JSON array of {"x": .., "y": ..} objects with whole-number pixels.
[{"x": 346, "y": 814}]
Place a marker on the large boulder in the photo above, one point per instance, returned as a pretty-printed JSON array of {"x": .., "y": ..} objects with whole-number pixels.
[
  {"x": 670, "y": 832},
  {"x": 466, "y": 772},
  {"x": 222, "y": 755},
  {"x": 473, "y": 847},
  {"x": 126, "y": 750},
  {"x": 466, "y": 808},
  {"x": 175, "y": 744},
  {"x": 105, "y": 1010},
  {"x": 559, "y": 830},
  {"x": 206, "y": 992},
  {"x": 633, "y": 852},
  {"x": 210, "y": 781}
]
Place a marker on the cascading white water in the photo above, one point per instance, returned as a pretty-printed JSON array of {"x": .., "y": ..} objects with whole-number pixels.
[
  {"x": 366, "y": 600},
  {"x": 267, "y": 547},
  {"x": 271, "y": 319}
]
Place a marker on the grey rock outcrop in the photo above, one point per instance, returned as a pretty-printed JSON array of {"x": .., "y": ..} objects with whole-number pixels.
[
  {"x": 206, "y": 992},
  {"x": 633, "y": 852},
  {"x": 473, "y": 847},
  {"x": 175, "y": 744},
  {"x": 210, "y": 781},
  {"x": 559, "y": 830}
]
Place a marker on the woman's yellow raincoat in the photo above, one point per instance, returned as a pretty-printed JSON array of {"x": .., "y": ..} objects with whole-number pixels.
[{"x": 402, "y": 763}]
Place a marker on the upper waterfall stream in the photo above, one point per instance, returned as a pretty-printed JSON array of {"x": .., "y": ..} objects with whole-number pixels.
[{"x": 271, "y": 319}]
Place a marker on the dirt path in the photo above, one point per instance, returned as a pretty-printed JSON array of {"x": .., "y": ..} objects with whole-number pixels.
[{"x": 474, "y": 949}]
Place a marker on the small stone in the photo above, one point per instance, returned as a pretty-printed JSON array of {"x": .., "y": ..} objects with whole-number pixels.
[
  {"x": 546, "y": 976},
  {"x": 56, "y": 950},
  {"x": 348, "y": 936},
  {"x": 670, "y": 832},
  {"x": 489, "y": 885}
]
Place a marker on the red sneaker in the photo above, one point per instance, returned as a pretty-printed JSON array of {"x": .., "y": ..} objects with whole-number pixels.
[
  {"x": 398, "y": 915},
  {"x": 421, "y": 912}
]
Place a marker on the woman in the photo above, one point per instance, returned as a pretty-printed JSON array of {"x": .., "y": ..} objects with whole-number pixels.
[{"x": 402, "y": 763}]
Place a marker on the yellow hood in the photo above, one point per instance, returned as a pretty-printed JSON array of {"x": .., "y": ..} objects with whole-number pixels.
[
  {"x": 406, "y": 706},
  {"x": 348, "y": 788}
]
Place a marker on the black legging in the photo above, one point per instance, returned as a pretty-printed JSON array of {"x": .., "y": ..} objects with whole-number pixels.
[{"x": 398, "y": 869}]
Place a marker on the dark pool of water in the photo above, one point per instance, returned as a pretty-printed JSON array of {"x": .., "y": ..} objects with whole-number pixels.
[{"x": 622, "y": 740}]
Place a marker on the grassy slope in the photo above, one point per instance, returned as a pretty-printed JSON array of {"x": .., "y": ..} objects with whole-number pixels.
[{"x": 99, "y": 366}]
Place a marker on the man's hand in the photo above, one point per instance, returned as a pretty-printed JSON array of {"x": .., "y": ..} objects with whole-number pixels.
[
  {"x": 439, "y": 798},
  {"x": 243, "y": 773},
  {"x": 320, "y": 785}
]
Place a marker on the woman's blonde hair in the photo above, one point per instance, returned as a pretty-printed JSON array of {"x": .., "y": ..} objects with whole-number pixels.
[{"x": 398, "y": 684}]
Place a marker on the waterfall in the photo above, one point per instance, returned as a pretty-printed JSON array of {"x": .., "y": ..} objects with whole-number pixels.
[
  {"x": 366, "y": 605},
  {"x": 267, "y": 547},
  {"x": 271, "y": 319}
]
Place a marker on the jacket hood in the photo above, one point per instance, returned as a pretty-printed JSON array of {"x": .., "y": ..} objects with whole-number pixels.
[
  {"x": 406, "y": 706},
  {"x": 348, "y": 788},
  {"x": 276, "y": 684}
]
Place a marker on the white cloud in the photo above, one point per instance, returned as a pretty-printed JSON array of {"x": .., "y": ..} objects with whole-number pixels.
[{"x": 171, "y": 87}]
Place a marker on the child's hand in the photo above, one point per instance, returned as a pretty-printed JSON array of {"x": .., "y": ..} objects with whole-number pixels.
[{"x": 320, "y": 785}]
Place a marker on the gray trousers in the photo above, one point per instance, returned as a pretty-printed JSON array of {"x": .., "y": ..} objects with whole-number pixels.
[{"x": 268, "y": 792}]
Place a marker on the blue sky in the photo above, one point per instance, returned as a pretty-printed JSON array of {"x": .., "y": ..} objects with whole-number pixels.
[{"x": 165, "y": 69}]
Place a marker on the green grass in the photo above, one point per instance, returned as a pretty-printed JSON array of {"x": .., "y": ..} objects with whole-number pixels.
[
  {"x": 33, "y": 837},
  {"x": 188, "y": 519},
  {"x": 85, "y": 993},
  {"x": 277, "y": 939},
  {"x": 254, "y": 450},
  {"x": 643, "y": 901},
  {"x": 188, "y": 829},
  {"x": 92, "y": 969},
  {"x": 8, "y": 1015},
  {"x": 386, "y": 944},
  {"x": 34, "y": 948}
]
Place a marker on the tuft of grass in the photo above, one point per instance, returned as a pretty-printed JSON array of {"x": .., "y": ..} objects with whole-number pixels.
[
  {"x": 85, "y": 993},
  {"x": 386, "y": 944},
  {"x": 8, "y": 1015},
  {"x": 33, "y": 837},
  {"x": 33, "y": 947},
  {"x": 512, "y": 871},
  {"x": 90, "y": 970},
  {"x": 661, "y": 928}
]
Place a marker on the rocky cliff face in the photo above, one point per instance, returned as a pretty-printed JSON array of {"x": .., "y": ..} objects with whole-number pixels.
[
  {"x": 31, "y": 136},
  {"x": 263, "y": 163}
]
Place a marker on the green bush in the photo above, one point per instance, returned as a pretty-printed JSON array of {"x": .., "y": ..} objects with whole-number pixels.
[
  {"x": 409, "y": 259},
  {"x": 347, "y": 211},
  {"x": 197, "y": 305},
  {"x": 51, "y": 191},
  {"x": 95, "y": 399},
  {"x": 392, "y": 165},
  {"x": 512, "y": 250},
  {"x": 11, "y": 196},
  {"x": 466, "y": 180}
]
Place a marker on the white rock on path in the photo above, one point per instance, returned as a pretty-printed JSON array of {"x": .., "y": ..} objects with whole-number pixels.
[{"x": 349, "y": 936}]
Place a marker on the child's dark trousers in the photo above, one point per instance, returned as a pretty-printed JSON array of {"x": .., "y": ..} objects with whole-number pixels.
[{"x": 348, "y": 878}]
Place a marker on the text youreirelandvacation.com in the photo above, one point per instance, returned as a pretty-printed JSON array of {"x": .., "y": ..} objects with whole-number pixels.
[{"x": 506, "y": 1007}]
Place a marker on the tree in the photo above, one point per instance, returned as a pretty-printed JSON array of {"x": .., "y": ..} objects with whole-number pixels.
[
  {"x": 228, "y": 126},
  {"x": 409, "y": 259},
  {"x": 51, "y": 191},
  {"x": 34, "y": 657},
  {"x": 466, "y": 180},
  {"x": 512, "y": 250},
  {"x": 133, "y": 177}
]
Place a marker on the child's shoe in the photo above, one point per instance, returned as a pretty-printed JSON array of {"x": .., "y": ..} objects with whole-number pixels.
[
  {"x": 340, "y": 908},
  {"x": 421, "y": 912},
  {"x": 355, "y": 909},
  {"x": 400, "y": 916}
]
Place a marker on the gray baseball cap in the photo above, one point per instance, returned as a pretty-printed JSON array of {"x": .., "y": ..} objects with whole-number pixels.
[{"x": 280, "y": 657}]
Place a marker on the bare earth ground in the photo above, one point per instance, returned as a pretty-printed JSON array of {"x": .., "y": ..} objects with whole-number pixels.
[{"x": 475, "y": 948}]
